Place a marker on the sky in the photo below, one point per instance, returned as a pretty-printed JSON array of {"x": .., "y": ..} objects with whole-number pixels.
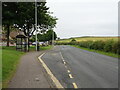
[{"x": 78, "y": 18}]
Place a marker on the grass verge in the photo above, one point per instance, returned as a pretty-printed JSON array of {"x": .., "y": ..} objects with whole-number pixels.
[
  {"x": 0, "y": 67},
  {"x": 33, "y": 48},
  {"x": 98, "y": 51},
  {"x": 10, "y": 59},
  {"x": 46, "y": 47}
]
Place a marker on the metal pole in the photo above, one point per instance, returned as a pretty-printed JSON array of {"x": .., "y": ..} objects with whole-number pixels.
[{"x": 36, "y": 21}]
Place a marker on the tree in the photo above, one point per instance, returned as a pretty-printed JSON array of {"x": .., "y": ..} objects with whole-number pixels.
[
  {"x": 22, "y": 16},
  {"x": 9, "y": 11},
  {"x": 48, "y": 36},
  {"x": 73, "y": 40}
]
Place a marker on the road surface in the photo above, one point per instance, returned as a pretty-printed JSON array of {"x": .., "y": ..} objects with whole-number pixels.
[{"x": 76, "y": 68}]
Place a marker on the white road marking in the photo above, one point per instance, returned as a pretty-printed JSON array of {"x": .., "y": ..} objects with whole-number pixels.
[
  {"x": 64, "y": 62},
  {"x": 74, "y": 85},
  {"x": 61, "y": 56},
  {"x": 57, "y": 83},
  {"x": 68, "y": 71},
  {"x": 70, "y": 75},
  {"x": 65, "y": 66}
]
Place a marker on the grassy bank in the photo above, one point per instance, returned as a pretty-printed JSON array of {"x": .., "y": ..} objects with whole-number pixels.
[
  {"x": 10, "y": 60},
  {"x": 98, "y": 51}
]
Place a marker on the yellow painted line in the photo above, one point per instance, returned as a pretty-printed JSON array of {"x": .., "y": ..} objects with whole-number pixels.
[
  {"x": 70, "y": 75},
  {"x": 68, "y": 71},
  {"x": 41, "y": 55},
  {"x": 74, "y": 85},
  {"x": 54, "y": 79}
]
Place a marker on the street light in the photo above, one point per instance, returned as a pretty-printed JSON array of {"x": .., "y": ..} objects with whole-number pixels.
[{"x": 36, "y": 21}]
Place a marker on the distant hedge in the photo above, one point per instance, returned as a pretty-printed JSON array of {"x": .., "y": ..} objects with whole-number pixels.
[{"x": 107, "y": 46}]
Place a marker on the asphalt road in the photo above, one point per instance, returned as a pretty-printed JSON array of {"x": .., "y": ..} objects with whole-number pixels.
[{"x": 76, "y": 68}]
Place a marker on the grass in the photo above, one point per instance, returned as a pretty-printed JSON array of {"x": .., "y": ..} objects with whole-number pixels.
[
  {"x": 46, "y": 47},
  {"x": 97, "y": 51},
  {"x": 32, "y": 48},
  {"x": 10, "y": 60},
  {"x": 0, "y": 67}
]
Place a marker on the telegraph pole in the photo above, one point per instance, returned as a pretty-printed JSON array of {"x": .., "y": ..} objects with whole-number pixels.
[{"x": 36, "y": 21}]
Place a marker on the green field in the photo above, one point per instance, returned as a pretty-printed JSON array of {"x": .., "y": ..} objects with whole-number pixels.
[
  {"x": 10, "y": 60},
  {"x": 88, "y": 39}
]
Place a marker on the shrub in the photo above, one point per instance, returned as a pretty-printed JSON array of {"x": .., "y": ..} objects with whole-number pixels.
[
  {"x": 73, "y": 40},
  {"x": 116, "y": 47},
  {"x": 108, "y": 46}
]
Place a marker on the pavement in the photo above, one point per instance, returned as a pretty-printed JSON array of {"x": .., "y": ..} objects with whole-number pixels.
[
  {"x": 30, "y": 73},
  {"x": 77, "y": 68}
]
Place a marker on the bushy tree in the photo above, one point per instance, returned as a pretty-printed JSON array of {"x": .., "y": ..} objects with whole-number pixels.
[
  {"x": 9, "y": 12},
  {"x": 22, "y": 16},
  {"x": 48, "y": 36}
]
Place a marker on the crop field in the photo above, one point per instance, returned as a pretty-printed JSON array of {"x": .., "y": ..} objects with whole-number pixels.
[{"x": 88, "y": 39}]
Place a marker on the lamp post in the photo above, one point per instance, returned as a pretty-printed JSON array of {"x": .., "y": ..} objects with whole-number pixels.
[{"x": 36, "y": 22}]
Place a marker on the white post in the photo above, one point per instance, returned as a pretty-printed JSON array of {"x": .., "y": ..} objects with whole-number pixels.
[{"x": 36, "y": 21}]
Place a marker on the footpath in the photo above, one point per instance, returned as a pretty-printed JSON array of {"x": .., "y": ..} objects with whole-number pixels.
[{"x": 30, "y": 73}]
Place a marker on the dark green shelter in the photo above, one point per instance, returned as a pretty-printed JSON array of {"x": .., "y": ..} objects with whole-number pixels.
[{"x": 22, "y": 43}]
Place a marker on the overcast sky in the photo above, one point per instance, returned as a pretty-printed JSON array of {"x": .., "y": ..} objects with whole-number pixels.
[{"x": 85, "y": 17}]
